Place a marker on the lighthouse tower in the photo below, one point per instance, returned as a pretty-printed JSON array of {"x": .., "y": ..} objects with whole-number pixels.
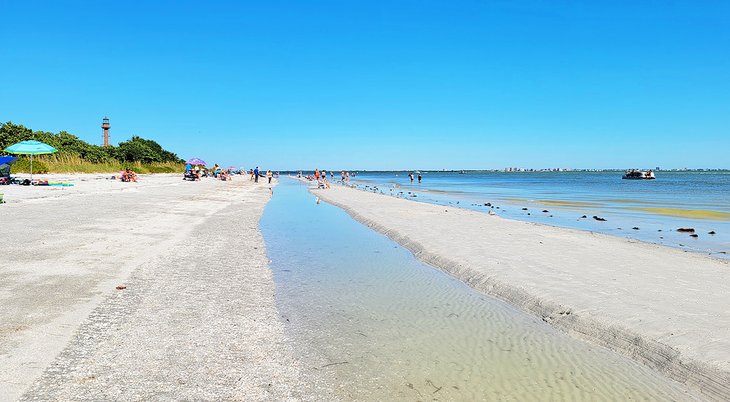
[{"x": 105, "y": 127}]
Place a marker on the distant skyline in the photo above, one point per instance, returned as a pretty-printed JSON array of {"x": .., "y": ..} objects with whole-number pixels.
[{"x": 381, "y": 85}]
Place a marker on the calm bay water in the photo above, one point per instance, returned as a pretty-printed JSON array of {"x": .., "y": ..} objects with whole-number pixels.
[
  {"x": 370, "y": 322},
  {"x": 700, "y": 200}
]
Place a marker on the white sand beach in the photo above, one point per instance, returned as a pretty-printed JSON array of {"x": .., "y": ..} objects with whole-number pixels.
[
  {"x": 662, "y": 307},
  {"x": 194, "y": 320}
]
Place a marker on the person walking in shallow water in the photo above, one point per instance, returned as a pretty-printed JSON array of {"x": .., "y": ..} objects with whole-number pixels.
[
  {"x": 419, "y": 177},
  {"x": 410, "y": 176}
]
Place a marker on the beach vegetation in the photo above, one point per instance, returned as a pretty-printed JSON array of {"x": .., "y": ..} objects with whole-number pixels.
[
  {"x": 138, "y": 149},
  {"x": 77, "y": 156},
  {"x": 23, "y": 165},
  {"x": 59, "y": 163}
]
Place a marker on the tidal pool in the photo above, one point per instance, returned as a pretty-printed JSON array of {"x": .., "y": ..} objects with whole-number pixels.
[{"x": 370, "y": 322}]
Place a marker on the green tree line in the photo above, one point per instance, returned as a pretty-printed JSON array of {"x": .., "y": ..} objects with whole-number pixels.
[{"x": 136, "y": 149}]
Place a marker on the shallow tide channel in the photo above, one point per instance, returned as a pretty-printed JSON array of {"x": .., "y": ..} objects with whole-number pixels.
[{"x": 370, "y": 322}]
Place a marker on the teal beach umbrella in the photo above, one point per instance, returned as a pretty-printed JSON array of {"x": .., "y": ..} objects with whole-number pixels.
[{"x": 31, "y": 148}]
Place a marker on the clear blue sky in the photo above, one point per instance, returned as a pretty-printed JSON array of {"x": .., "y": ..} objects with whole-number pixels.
[{"x": 380, "y": 84}]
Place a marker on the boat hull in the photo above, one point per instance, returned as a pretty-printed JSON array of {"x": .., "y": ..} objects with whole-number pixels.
[{"x": 638, "y": 178}]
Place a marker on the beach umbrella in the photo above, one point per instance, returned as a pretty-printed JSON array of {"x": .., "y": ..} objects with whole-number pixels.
[
  {"x": 31, "y": 147},
  {"x": 196, "y": 161}
]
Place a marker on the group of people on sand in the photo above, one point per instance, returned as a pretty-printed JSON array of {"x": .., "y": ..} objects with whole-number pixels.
[
  {"x": 128, "y": 175},
  {"x": 320, "y": 177},
  {"x": 256, "y": 173},
  {"x": 220, "y": 173},
  {"x": 345, "y": 177},
  {"x": 216, "y": 172},
  {"x": 196, "y": 172}
]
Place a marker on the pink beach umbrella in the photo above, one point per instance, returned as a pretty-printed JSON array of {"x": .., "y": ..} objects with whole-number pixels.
[{"x": 196, "y": 161}]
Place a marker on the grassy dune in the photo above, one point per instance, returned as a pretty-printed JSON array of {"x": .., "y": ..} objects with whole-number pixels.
[{"x": 73, "y": 164}]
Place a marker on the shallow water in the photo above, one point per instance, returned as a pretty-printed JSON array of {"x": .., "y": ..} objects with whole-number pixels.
[
  {"x": 699, "y": 200},
  {"x": 370, "y": 322}
]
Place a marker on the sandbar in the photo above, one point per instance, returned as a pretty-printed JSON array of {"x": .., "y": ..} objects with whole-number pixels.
[{"x": 662, "y": 307}]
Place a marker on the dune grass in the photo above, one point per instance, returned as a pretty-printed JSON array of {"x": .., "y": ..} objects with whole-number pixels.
[{"x": 74, "y": 164}]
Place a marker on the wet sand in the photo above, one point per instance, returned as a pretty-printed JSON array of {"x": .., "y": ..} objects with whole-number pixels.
[
  {"x": 662, "y": 307},
  {"x": 371, "y": 322},
  {"x": 194, "y": 319}
]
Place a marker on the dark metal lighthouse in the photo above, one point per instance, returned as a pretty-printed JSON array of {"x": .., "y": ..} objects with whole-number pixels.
[{"x": 105, "y": 126}]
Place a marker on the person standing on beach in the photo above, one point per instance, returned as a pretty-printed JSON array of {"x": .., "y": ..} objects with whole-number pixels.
[
  {"x": 410, "y": 176},
  {"x": 269, "y": 175},
  {"x": 316, "y": 175},
  {"x": 323, "y": 175},
  {"x": 343, "y": 177},
  {"x": 256, "y": 175},
  {"x": 419, "y": 177},
  {"x": 347, "y": 177}
]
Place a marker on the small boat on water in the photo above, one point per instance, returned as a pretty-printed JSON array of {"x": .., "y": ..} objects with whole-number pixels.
[{"x": 634, "y": 174}]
